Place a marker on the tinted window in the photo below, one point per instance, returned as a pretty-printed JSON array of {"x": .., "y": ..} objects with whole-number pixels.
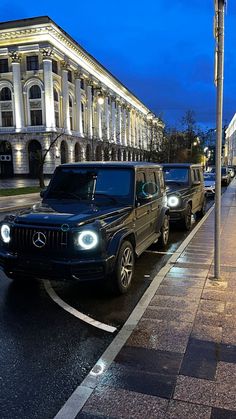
[
  {"x": 176, "y": 174},
  {"x": 93, "y": 183},
  {"x": 196, "y": 175},
  {"x": 153, "y": 187}
]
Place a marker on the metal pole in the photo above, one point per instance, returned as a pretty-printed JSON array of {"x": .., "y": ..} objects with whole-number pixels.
[{"x": 219, "y": 110}]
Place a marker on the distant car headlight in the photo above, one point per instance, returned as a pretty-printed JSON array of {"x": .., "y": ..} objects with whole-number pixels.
[
  {"x": 5, "y": 233},
  {"x": 87, "y": 239},
  {"x": 173, "y": 201}
]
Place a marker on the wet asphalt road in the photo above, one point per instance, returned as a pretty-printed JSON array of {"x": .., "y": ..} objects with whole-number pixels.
[{"x": 46, "y": 352}]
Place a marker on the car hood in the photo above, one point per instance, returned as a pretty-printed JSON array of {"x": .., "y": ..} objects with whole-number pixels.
[
  {"x": 73, "y": 214},
  {"x": 175, "y": 188}
]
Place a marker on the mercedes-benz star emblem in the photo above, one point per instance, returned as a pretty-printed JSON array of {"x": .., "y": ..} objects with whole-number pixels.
[{"x": 39, "y": 239}]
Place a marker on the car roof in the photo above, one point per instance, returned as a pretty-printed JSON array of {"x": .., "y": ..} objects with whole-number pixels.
[
  {"x": 116, "y": 164},
  {"x": 181, "y": 165}
]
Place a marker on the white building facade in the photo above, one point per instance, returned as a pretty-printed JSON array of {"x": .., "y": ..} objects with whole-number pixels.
[
  {"x": 55, "y": 96},
  {"x": 230, "y": 143}
]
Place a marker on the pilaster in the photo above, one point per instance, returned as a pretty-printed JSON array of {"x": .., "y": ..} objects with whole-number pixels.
[
  {"x": 48, "y": 89},
  {"x": 18, "y": 94}
]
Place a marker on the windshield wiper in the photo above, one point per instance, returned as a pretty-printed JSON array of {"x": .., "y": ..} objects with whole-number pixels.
[
  {"x": 66, "y": 193},
  {"x": 175, "y": 181},
  {"x": 107, "y": 196}
]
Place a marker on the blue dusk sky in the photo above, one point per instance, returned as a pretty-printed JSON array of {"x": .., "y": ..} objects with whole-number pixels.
[{"x": 163, "y": 51}]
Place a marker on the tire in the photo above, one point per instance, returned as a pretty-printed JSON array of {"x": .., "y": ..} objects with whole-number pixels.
[
  {"x": 165, "y": 231},
  {"x": 202, "y": 211},
  {"x": 122, "y": 275},
  {"x": 187, "y": 220}
]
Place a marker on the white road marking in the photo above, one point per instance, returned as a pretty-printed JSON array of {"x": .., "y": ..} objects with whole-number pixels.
[{"x": 75, "y": 312}]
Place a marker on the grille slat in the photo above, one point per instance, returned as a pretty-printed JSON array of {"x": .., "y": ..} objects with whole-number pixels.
[{"x": 22, "y": 239}]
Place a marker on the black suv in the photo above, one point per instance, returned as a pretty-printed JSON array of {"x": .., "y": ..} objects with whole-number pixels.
[
  {"x": 94, "y": 219},
  {"x": 185, "y": 191}
]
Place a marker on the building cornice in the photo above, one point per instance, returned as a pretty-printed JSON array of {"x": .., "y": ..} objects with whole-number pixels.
[{"x": 50, "y": 32}]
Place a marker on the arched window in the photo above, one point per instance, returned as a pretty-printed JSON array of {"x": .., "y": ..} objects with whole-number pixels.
[
  {"x": 5, "y": 94},
  {"x": 71, "y": 112},
  {"x": 6, "y": 116},
  {"x": 56, "y": 107},
  {"x": 35, "y": 104},
  {"x": 35, "y": 92}
]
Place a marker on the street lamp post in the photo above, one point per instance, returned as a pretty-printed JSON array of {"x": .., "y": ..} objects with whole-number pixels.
[{"x": 219, "y": 67}]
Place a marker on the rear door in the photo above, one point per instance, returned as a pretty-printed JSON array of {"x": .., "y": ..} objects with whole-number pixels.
[
  {"x": 156, "y": 198},
  {"x": 143, "y": 225},
  {"x": 196, "y": 189}
]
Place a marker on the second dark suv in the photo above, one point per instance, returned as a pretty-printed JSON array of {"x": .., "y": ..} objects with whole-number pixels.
[
  {"x": 185, "y": 192},
  {"x": 95, "y": 218}
]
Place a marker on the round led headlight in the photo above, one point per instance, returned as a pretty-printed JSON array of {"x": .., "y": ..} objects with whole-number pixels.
[
  {"x": 88, "y": 239},
  {"x": 173, "y": 201},
  {"x": 5, "y": 233}
]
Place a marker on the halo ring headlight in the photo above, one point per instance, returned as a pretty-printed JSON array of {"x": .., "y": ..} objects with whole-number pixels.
[
  {"x": 88, "y": 239},
  {"x": 5, "y": 233},
  {"x": 173, "y": 201}
]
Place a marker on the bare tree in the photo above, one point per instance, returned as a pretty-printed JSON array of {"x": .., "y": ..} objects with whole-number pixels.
[{"x": 42, "y": 155}]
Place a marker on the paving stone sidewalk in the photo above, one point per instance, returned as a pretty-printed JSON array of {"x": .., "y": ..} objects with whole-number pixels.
[
  {"x": 11, "y": 203},
  {"x": 180, "y": 361}
]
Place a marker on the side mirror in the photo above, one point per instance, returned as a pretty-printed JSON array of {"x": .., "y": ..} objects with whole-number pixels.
[{"x": 43, "y": 192}]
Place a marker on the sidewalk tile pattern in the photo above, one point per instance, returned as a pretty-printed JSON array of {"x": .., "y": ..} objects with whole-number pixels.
[{"x": 180, "y": 361}]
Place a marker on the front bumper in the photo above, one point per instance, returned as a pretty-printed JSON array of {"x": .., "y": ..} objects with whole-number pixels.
[
  {"x": 177, "y": 214},
  {"x": 210, "y": 190},
  {"x": 55, "y": 269}
]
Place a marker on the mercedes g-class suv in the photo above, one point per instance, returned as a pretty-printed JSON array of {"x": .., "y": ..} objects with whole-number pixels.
[
  {"x": 185, "y": 192},
  {"x": 94, "y": 219}
]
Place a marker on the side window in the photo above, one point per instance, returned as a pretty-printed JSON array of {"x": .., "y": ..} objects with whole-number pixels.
[
  {"x": 140, "y": 184},
  {"x": 197, "y": 175},
  {"x": 161, "y": 181},
  {"x": 153, "y": 187},
  {"x": 193, "y": 175}
]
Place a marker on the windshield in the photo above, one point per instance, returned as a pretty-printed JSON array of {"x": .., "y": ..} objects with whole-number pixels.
[
  {"x": 175, "y": 174},
  {"x": 96, "y": 184},
  {"x": 209, "y": 176}
]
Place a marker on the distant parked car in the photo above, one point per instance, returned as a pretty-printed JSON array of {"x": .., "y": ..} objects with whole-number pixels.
[
  {"x": 209, "y": 182},
  {"x": 225, "y": 176},
  {"x": 231, "y": 171},
  {"x": 185, "y": 192}
]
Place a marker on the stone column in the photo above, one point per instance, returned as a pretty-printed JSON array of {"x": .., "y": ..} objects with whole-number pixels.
[
  {"x": 78, "y": 110},
  {"x": 99, "y": 121},
  {"x": 17, "y": 88},
  {"x": 107, "y": 119},
  {"x": 129, "y": 140},
  {"x": 133, "y": 129},
  {"x": 119, "y": 125},
  {"x": 124, "y": 126},
  {"x": 48, "y": 89},
  {"x": 113, "y": 119},
  {"x": 65, "y": 96},
  {"x": 90, "y": 110}
]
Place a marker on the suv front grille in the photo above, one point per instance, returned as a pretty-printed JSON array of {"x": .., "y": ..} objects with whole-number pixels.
[{"x": 22, "y": 239}]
